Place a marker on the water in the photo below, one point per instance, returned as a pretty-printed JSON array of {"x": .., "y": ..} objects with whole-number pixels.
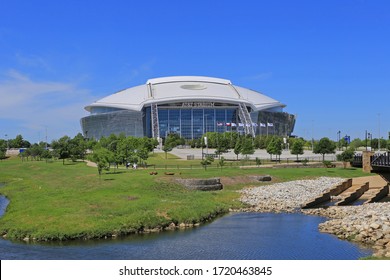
[
  {"x": 3, "y": 204},
  {"x": 244, "y": 236}
]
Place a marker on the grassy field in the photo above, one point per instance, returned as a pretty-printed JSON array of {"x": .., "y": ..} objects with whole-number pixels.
[{"x": 52, "y": 201}]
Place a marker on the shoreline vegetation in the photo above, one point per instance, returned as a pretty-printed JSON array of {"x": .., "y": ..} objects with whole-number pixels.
[{"x": 52, "y": 201}]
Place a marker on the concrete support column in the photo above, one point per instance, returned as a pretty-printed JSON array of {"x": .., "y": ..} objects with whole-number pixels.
[{"x": 367, "y": 161}]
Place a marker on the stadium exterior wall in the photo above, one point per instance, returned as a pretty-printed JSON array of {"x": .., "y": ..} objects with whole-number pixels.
[
  {"x": 189, "y": 106},
  {"x": 128, "y": 122}
]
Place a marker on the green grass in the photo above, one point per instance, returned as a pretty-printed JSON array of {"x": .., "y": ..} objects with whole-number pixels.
[{"x": 52, "y": 201}]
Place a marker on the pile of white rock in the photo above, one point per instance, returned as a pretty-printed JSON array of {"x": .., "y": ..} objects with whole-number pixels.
[
  {"x": 287, "y": 196},
  {"x": 368, "y": 224}
]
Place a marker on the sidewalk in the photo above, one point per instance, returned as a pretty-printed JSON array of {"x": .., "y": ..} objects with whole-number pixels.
[{"x": 262, "y": 154}]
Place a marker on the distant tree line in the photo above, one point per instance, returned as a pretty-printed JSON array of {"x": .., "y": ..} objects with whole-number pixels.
[{"x": 119, "y": 149}]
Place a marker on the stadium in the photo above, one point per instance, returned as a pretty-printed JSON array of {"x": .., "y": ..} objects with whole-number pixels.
[{"x": 189, "y": 106}]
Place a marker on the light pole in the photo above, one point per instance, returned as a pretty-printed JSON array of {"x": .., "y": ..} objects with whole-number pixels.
[
  {"x": 312, "y": 135},
  {"x": 366, "y": 140},
  {"x": 370, "y": 139},
  {"x": 338, "y": 139},
  {"x": 379, "y": 132}
]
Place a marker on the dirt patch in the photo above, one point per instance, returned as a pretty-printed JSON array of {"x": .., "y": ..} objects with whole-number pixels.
[
  {"x": 132, "y": 197},
  {"x": 229, "y": 181}
]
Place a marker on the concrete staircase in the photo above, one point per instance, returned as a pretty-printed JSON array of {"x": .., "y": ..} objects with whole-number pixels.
[{"x": 368, "y": 189}]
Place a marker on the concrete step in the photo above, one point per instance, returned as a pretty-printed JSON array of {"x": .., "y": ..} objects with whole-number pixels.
[
  {"x": 326, "y": 197},
  {"x": 356, "y": 192},
  {"x": 377, "y": 194}
]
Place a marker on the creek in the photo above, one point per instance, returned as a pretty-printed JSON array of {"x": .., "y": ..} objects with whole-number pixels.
[{"x": 236, "y": 236}]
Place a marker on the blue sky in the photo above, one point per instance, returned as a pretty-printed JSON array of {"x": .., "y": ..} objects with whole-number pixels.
[{"x": 329, "y": 61}]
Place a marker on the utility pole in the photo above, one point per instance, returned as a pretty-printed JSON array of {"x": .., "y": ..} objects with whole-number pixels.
[{"x": 379, "y": 132}]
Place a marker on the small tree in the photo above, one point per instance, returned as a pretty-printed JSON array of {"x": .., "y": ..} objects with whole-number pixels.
[
  {"x": 62, "y": 148},
  {"x": 324, "y": 146},
  {"x": 167, "y": 148},
  {"x": 3, "y": 149},
  {"x": 102, "y": 158},
  {"x": 297, "y": 148},
  {"x": 207, "y": 161},
  {"x": 237, "y": 148},
  {"x": 221, "y": 162},
  {"x": 346, "y": 156},
  {"x": 247, "y": 147},
  {"x": 275, "y": 147},
  {"x": 171, "y": 141}
]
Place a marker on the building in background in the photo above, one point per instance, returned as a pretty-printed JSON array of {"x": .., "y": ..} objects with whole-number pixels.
[{"x": 189, "y": 106}]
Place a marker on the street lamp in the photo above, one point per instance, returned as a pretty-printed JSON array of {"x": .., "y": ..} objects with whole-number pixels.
[
  {"x": 370, "y": 139},
  {"x": 366, "y": 140}
]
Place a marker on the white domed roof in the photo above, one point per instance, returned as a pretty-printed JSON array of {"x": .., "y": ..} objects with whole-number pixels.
[{"x": 185, "y": 89}]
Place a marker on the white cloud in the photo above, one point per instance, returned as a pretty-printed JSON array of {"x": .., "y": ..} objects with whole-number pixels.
[
  {"x": 32, "y": 61},
  {"x": 29, "y": 105}
]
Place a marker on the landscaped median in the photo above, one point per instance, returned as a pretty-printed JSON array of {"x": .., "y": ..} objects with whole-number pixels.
[{"x": 52, "y": 201}]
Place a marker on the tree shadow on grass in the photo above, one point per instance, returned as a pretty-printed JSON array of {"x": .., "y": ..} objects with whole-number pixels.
[{"x": 115, "y": 172}]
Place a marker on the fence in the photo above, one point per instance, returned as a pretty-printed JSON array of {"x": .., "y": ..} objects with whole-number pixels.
[{"x": 303, "y": 161}]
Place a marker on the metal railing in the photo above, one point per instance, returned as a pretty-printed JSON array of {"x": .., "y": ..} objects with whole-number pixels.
[
  {"x": 380, "y": 160},
  {"x": 357, "y": 160}
]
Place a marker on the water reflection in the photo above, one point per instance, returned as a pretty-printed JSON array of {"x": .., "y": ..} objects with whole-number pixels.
[{"x": 235, "y": 236}]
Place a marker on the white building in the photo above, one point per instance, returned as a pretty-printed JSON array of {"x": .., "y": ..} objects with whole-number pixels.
[{"x": 189, "y": 106}]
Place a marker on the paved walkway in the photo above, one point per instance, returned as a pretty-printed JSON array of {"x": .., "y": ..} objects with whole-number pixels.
[{"x": 262, "y": 154}]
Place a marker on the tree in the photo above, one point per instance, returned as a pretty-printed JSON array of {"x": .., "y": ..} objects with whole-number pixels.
[
  {"x": 46, "y": 155},
  {"x": 297, "y": 147},
  {"x": 102, "y": 157},
  {"x": 275, "y": 147},
  {"x": 143, "y": 154},
  {"x": 19, "y": 142},
  {"x": 35, "y": 151},
  {"x": 237, "y": 147},
  {"x": 207, "y": 161},
  {"x": 324, "y": 146},
  {"x": 77, "y": 147},
  {"x": 247, "y": 147},
  {"x": 3, "y": 148},
  {"x": 222, "y": 145},
  {"x": 62, "y": 148},
  {"x": 356, "y": 143},
  {"x": 167, "y": 148},
  {"x": 346, "y": 156},
  {"x": 221, "y": 162},
  {"x": 171, "y": 141}
]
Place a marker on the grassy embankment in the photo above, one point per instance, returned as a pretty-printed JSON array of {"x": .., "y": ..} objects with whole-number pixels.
[{"x": 52, "y": 201}]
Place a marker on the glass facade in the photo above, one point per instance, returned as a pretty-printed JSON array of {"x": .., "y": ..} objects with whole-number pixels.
[
  {"x": 117, "y": 122},
  {"x": 188, "y": 122},
  {"x": 273, "y": 123},
  {"x": 192, "y": 123}
]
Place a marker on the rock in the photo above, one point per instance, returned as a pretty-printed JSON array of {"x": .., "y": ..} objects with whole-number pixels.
[
  {"x": 375, "y": 226},
  {"x": 211, "y": 184},
  {"x": 182, "y": 225},
  {"x": 262, "y": 178},
  {"x": 382, "y": 242}
]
